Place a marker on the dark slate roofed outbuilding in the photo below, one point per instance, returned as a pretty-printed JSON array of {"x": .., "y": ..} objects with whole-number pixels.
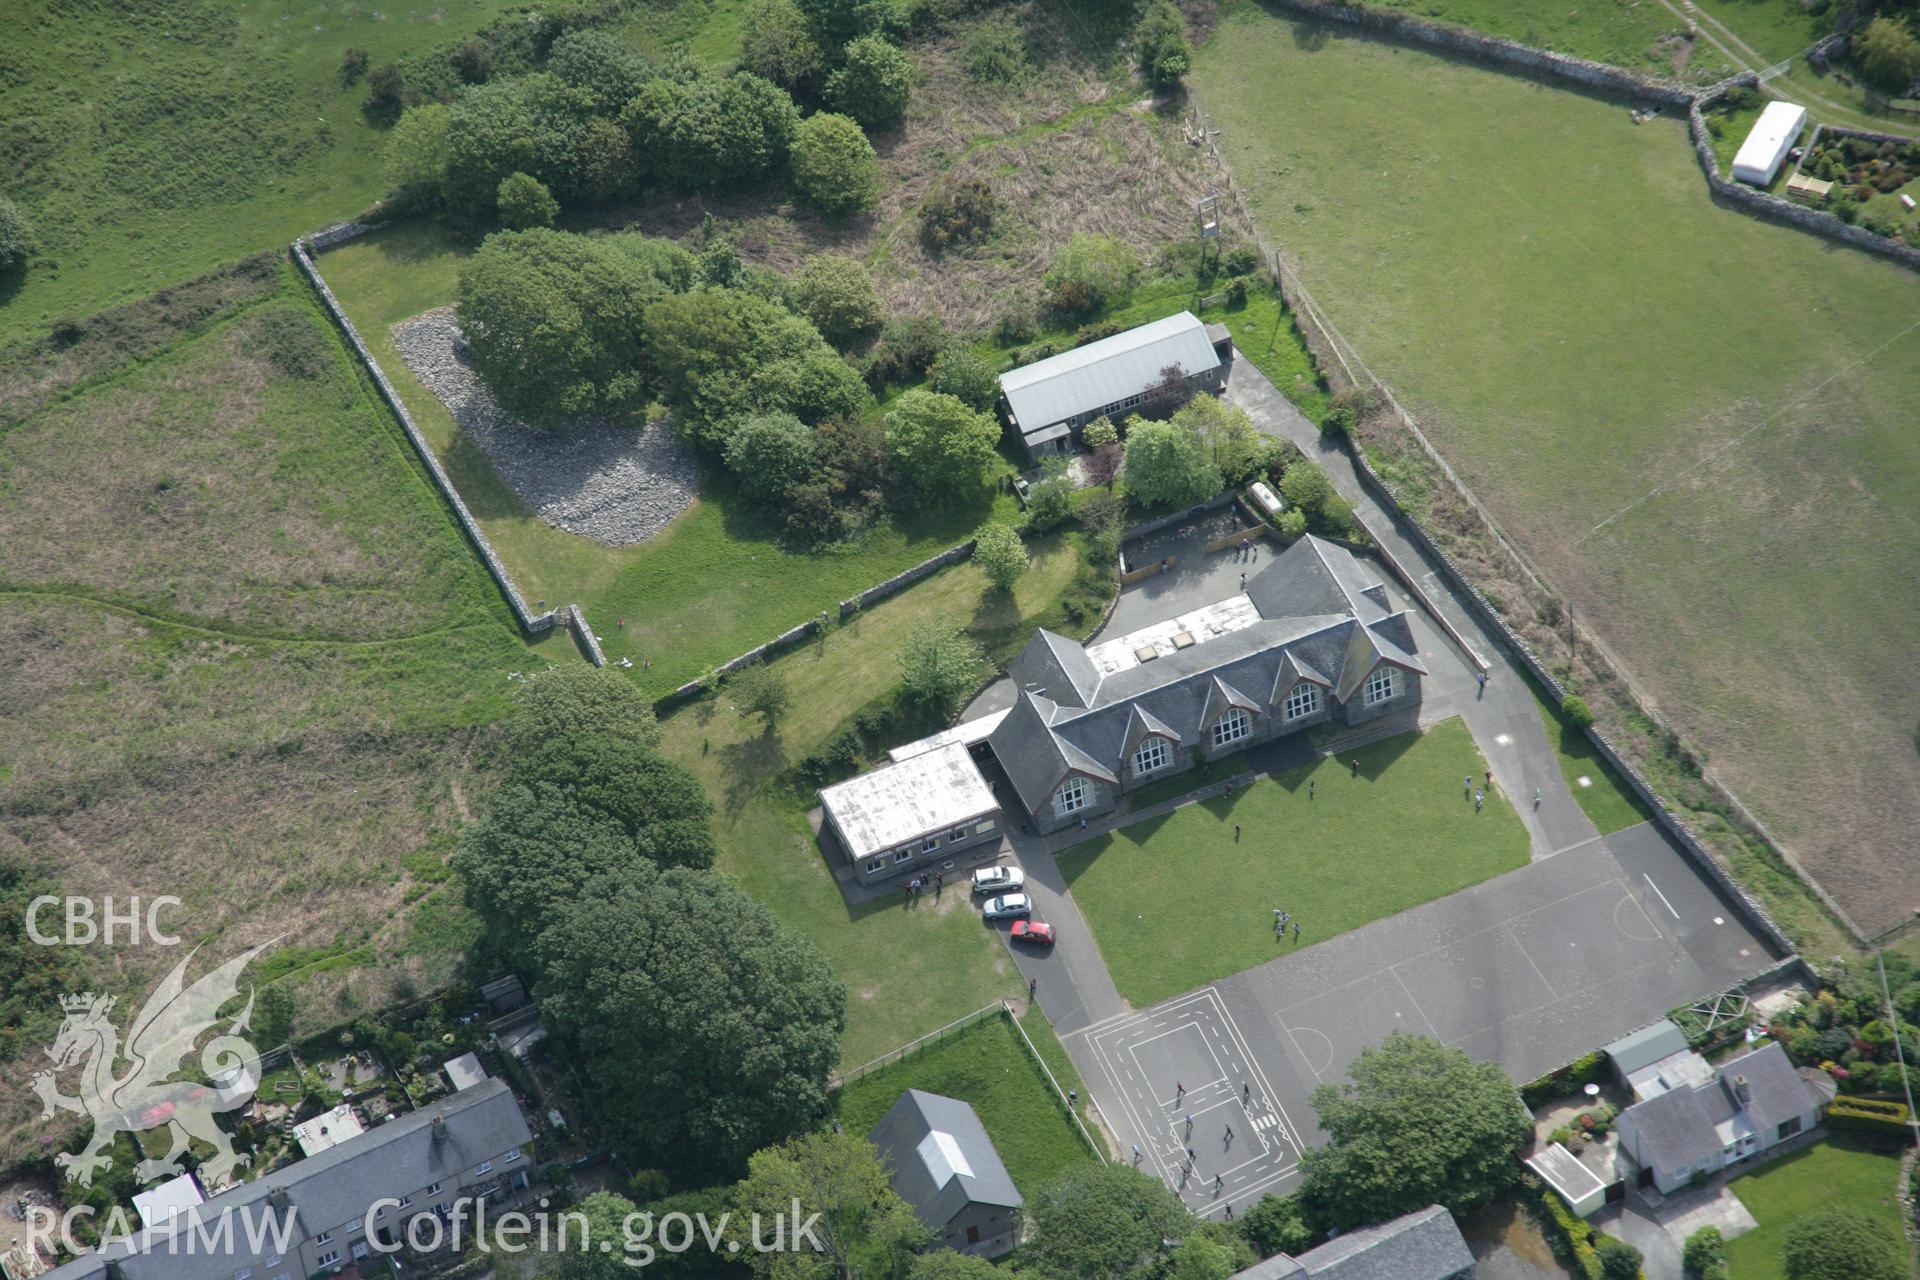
[
  {"x": 1424, "y": 1245},
  {"x": 940, "y": 1158}
]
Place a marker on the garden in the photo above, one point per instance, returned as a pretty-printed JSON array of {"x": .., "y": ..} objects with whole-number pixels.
[
  {"x": 1335, "y": 857},
  {"x": 1795, "y": 1198},
  {"x": 1871, "y": 174}
]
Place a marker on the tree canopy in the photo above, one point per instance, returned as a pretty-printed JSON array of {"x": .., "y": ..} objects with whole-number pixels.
[
  {"x": 657, "y": 802},
  {"x": 837, "y": 294},
  {"x": 712, "y": 131},
  {"x": 599, "y": 64},
  {"x": 939, "y": 665},
  {"x": 1160, "y": 45},
  {"x": 1888, "y": 52},
  {"x": 866, "y": 1228},
  {"x": 707, "y": 1028},
  {"x": 962, "y": 374},
  {"x": 772, "y": 454},
  {"x": 833, "y": 165},
  {"x": 1101, "y": 1222},
  {"x": 1233, "y": 444},
  {"x": 872, "y": 83},
  {"x": 1421, "y": 1123},
  {"x": 777, "y": 44},
  {"x": 1168, "y": 464},
  {"x": 579, "y": 701},
  {"x": 1088, "y": 271},
  {"x": 938, "y": 445},
  {"x": 555, "y": 322},
  {"x": 720, "y": 354},
  {"x": 525, "y": 202}
]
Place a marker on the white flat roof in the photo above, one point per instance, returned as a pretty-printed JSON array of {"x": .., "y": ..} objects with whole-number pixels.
[
  {"x": 966, "y": 734},
  {"x": 1565, "y": 1174},
  {"x": 1767, "y": 145},
  {"x": 176, "y": 1195},
  {"x": 329, "y": 1129},
  {"x": 465, "y": 1071},
  {"x": 898, "y": 803},
  {"x": 1164, "y": 638}
]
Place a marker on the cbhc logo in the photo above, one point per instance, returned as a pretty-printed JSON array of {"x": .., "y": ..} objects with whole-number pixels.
[{"x": 87, "y": 922}]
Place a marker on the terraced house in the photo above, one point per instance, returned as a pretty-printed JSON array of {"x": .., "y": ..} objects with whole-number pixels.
[{"x": 1311, "y": 641}]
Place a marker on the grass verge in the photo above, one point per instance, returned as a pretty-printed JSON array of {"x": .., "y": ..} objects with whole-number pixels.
[
  {"x": 1816, "y": 1177},
  {"x": 1601, "y": 793},
  {"x": 1177, "y": 901}
]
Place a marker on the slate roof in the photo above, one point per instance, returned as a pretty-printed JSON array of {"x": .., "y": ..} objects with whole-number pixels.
[
  {"x": 922, "y": 1171},
  {"x": 1321, "y": 618},
  {"x": 1680, "y": 1127},
  {"x": 399, "y": 1157},
  {"x": 1105, "y": 372},
  {"x": 1424, "y": 1245}
]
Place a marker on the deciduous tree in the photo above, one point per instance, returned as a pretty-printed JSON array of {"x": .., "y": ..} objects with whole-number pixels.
[
  {"x": 837, "y": 294},
  {"x": 1000, "y": 554},
  {"x": 706, "y": 1027},
  {"x": 1889, "y": 53},
  {"x": 772, "y": 454},
  {"x": 1167, "y": 464},
  {"x": 657, "y": 802},
  {"x": 713, "y": 131},
  {"x": 761, "y": 691},
  {"x": 867, "y": 1229},
  {"x": 776, "y": 44},
  {"x": 1421, "y": 1123},
  {"x": 1160, "y": 45},
  {"x": 416, "y": 158},
  {"x": 1102, "y": 1222},
  {"x": 525, "y": 202},
  {"x": 872, "y": 83},
  {"x": 939, "y": 665},
  {"x": 938, "y": 445},
  {"x": 960, "y": 373},
  {"x": 578, "y": 701}
]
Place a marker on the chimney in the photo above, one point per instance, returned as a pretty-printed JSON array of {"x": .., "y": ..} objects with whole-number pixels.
[{"x": 1741, "y": 1091}]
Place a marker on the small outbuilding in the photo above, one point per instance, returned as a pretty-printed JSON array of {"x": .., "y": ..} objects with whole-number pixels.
[
  {"x": 1584, "y": 1190},
  {"x": 942, "y": 1163},
  {"x": 916, "y": 811},
  {"x": 1046, "y": 403},
  {"x": 1809, "y": 190},
  {"x": 1767, "y": 145}
]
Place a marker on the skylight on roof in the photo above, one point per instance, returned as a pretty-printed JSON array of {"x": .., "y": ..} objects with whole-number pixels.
[{"x": 941, "y": 1153}]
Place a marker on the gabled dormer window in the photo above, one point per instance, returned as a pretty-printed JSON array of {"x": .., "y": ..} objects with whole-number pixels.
[
  {"x": 1231, "y": 727},
  {"x": 1302, "y": 700},
  {"x": 1152, "y": 755},
  {"x": 1071, "y": 797},
  {"x": 1380, "y": 685}
]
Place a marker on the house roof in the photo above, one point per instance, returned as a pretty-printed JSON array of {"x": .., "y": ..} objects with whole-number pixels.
[
  {"x": 1316, "y": 615},
  {"x": 900, "y": 802},
  {"x": 1646, "y": 1046},
  {"x": 1684, "y": 1126},
  {"x": 400, "y": 1157},
  {"x": 1423, "y": 1245},
  {"x": 1105, "y": 372},
  {"x": 940, "y": 1158}
]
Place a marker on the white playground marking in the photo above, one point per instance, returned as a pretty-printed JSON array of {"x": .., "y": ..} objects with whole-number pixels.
[{"x": 1201, "y": 1012}]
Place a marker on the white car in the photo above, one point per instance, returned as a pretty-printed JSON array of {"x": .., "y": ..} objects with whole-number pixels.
[
  {"x": 1010, "y": 906},
  {"x": 998, "y": 879}
]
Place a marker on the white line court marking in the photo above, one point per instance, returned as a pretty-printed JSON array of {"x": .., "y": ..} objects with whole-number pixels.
[{"x": 1663, "y": 897}]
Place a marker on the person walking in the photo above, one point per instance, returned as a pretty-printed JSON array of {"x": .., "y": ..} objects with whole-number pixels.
[
  {"x": 1219, "y": 1181},
  {"x": 1536, "y": 797},
  {"x": 1136, "y": 1153},
  {"x": 1083, "y": 824},
  {"x": 1033, "y": 988},
  {"x": 1355, "y": 768},
  {"x": 1189, "y": 1124},
  {"x": 1466, "y": 787},
  {"x": 1480, "y": 678},
  {"x": 1236, "y": 833},
  {"x": 1246, "y": 1092},
  {"x": 1489, "y": 779},
  {"x": 1179, "y": 1091},
  {"x": 1243, "y": 582},
  {"x": 1229, "y": 1211},
  {"x": 1479, "y": 798},
  {"x": 1311, "y": 784},
  {"x": 1296, "y": 931},
  {"x": 1229, "y": 1133}
]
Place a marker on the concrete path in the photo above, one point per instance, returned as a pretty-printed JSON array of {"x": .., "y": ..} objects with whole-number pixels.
[{"x": 1503, "y": 716}]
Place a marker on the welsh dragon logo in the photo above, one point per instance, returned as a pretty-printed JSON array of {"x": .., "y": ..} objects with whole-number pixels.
[{"x": 159, "y": 1044}]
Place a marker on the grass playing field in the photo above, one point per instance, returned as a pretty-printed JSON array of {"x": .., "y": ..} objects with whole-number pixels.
[
  {"x": 1695, "y": 422},
  {"x": 1177, "y": 901},
  {"x": 1826, "y": 1174}
]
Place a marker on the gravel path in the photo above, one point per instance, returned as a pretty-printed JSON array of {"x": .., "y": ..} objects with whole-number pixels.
[{"x": 615, "y": 484}]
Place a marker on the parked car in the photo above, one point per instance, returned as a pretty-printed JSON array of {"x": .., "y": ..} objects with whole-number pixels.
[
  {"x": 998, "y": 879},
  {"x": 1008, "y": 907},
  {"x": 1037, "y": 932}
]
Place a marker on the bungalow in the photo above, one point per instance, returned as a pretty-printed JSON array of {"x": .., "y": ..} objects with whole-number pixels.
[
  {"x": 942, "y": 1163},
  {"x": 1046, "y": 403},
  {"x": 911, "y": 813},
  {"x": 1313, "y": 640},
  {"x": 1710, "y": 1120}
]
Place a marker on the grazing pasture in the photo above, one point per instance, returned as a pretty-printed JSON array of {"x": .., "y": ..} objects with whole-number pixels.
[{"x": 1697, "y": 424}]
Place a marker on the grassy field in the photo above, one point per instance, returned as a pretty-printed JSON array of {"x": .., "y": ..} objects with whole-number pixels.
[
  {"x": 907, "y": 969},
  {"x": 1816, "y": 1177},
  {"x": 246, "y": 658},
  {"x": 149, "y": 142},
  {"x": 1358, "y": 850},
  {"x": 1694, "y": 422},
  {"x": 1643, "y": 37},
  {"x": 984, "y": 1064}
]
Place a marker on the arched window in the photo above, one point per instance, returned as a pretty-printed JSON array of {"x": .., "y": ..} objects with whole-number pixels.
[{"x": 1231, "y": 727}]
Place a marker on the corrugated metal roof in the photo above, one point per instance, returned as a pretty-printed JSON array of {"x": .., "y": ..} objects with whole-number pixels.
[{"x": 1105, "y": 372}]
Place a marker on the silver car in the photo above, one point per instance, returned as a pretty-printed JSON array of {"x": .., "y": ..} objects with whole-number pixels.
[
  {"x": 998, "y": 879},
  {"x": 1010, "y": 906}
]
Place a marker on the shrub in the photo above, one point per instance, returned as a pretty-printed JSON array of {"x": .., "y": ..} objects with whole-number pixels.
[
  {"x": 1293, "y": 522},
  {"x": 1705, "y": 1254},
  {"x": 958, "y": 372},
  {"x": 1575, "y": 711},
  {"x": 1618, "y": 1259},
  {"x": 1241, "y": 260},
  {"x": 837, "y": 294},
  {"x": 1100, "y": 432},
  {"x": 711, "y": 132},
  {"x": 776, "y": 45},
  {"x": 1160, "y": 45},
  {"x": 1339, "y": 420},
  {"x": 525, "y": 202},
  {"x": 1236, "y": 292},
  {"x": 833, "y": 165},
  {"x": 1278, "y": 1224},
  {"x": 472, "y": 62},
  {"x": 938, "y": 445},
  {"x": 386, "y": 92},
  {"x": 995, "y": 52},
  {"x": 1015, "y": 325},
  {"x": 872, "y": 83},
  {"x": 352, "y": 67},
  {"x": 906, "y": 351},
  {"x": 1049, "y": 503},
  {"x": 1088, "y": 272},
  {"x": 16, "y": 236},
  {"x": 959, "y": 213}
]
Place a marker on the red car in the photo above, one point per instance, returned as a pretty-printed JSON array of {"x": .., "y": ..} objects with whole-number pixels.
[{"x": 1034, "y": 931}]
